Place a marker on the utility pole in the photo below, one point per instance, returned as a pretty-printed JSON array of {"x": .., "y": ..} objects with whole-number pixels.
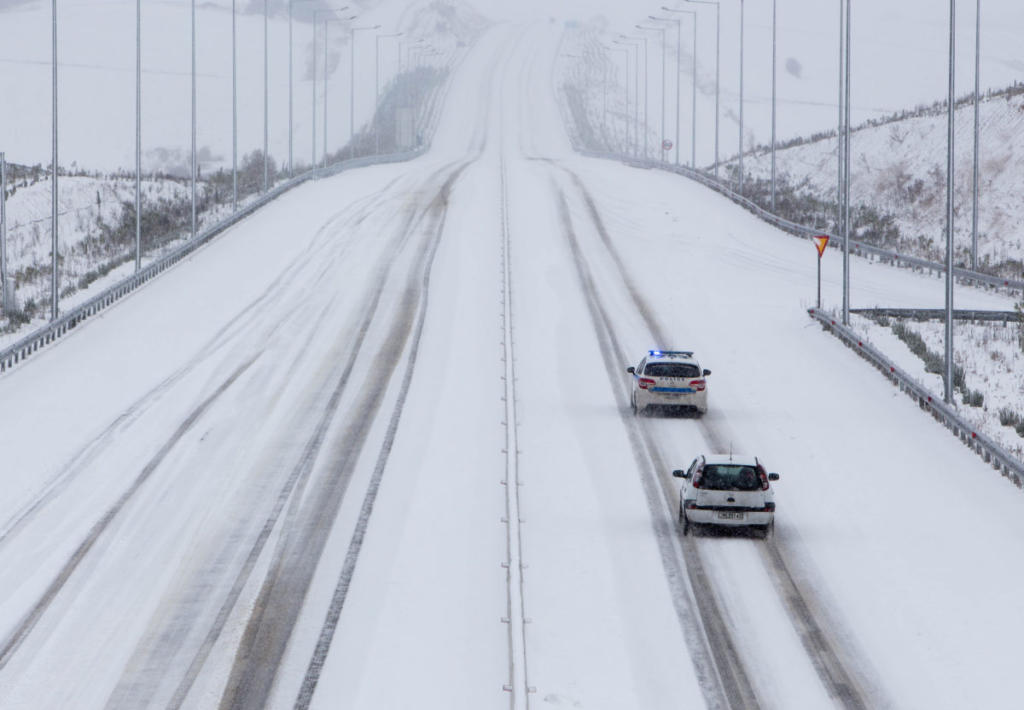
[
  {"x": 741, "y": 100},
  {"x": 266, "y": 97},
  {"x": 352, "y": 89},
  {"x": 5, "y": 297},
  {"x": 54, "y": 295},
  {"x": 977, "y": 135},
  {"x": 949, "y": 203},
  {"x": 718, "y": 46},
  {"x": 234, "y": 108},
  {"x": 138, "y": 135},
  {"x": 774, "y": 82},
  {"x": 376, "y": 87},
  {"x": 661, "y": 140},
  {"x": 194, "y": 166},
  {"x": 846, "y": 173}
]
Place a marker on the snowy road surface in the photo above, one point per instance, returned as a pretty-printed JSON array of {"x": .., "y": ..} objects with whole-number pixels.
[{"x": 273, "y": 477}]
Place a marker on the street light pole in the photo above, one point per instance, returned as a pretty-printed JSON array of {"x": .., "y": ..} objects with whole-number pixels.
[
  {"x": 5, "y": 299},
  {"x": 628, "y": 43},
  {"x": 977, "y": 135},
  {"x": 741, "y": 100},
  {"x": 846, "y": 172},
  {"x": 138, "y": 135},
  {"x": 352, "y": 89},
  {"x": 376, "y": 87},
  {"x": 625, "y": 114},
  {"x": 266, "y": 97},
  {"x": 693, "y": 81},
  {"x": 234, "y": 106},
  {"x": 194, "y": 166},
  {"x": 948, "y": 390},
  {"x": 774, "y": 82},
  {"x": 661, "y": 140},
  {"x": 53, "y": 188},
  {"x": 839, "y": 130},
  {"x": 718, "y": 47},
  {"x": 316, "y": 14}
]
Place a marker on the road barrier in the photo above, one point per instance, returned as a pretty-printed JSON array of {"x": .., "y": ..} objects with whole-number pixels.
[
  {"x": 990, "y": 451},
  {"x": 857, "y": 247},
  {"x": 23, "y": 348}
]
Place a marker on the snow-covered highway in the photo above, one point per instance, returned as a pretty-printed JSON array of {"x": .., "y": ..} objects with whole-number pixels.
[{"x": 273, "y": 476}]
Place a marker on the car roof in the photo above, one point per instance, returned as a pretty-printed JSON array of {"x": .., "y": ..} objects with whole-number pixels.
[
  {"x": 671, "y": 356},
  {"x": 738, "y": 459}
]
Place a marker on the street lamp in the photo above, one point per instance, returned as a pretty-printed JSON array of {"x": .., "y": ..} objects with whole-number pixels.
[
  {"x": 948, "y": 390},
  {"x": 693, "y": 98},
  {"x": 977, "y": 135},
  {"x": 326, "y": 21},
  {"x": 376, "y": 86},
  {"x": 662, "y": 30},
  {"x": 194, "y": 165},
  {"x": 625, "y": 115},
  {"x": 352, "y": 89},
  {"x": 138, "y": 136},
  {"x": 646, "y": 128},
  {"x": 53, "y": 188},
  {"x": 774, "y": 78},
  {"x": 636, "y": 90},
  {"x": 316, "y": 14},
  {"x": 718, "y": 42},
  {"x": 741, "y": 100}
]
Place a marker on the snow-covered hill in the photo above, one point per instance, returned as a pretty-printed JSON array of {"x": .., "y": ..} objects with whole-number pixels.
[{"x": 898, "y": 167}]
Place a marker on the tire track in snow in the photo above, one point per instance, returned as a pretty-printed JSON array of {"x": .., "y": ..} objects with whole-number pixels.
[
  {"x": 32, "y": 617},
  {"x": 830, "y": 659},
  {"x": 88, "y": 453},
  {"x": 717, "y": 664},
  {"x": 306, "y": 531},
  {"x": 140, "y": 682}
]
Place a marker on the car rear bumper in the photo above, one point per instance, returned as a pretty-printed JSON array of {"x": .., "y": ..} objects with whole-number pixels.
[
  {"x": 648, "y": 398},
  {"x": 705, "y": 516}
]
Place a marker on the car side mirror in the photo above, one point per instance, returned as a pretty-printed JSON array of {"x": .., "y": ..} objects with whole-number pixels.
[
  {"x": 707, "y": 372},
  {"x": 773, "y": 476},
  {"x": 631, "y": 370},
  {"x": 680, "y": 473}
]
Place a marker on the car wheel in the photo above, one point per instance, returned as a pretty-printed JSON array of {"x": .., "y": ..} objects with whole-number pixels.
[
  {"x": 766, "y": 532},
  {"x": 683, "y": 521},
  {"x": 632, "y": 404}
]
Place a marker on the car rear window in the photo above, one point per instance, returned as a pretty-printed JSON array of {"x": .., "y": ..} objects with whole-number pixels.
[
  {"x": 730, "y": 477},
  {"x": 672, "y": 369}
]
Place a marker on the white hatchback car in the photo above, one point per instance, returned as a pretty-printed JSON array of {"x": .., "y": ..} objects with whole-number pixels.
[
  {"x": 727, "y": 490},
  {"x": 669, "y": 378}
]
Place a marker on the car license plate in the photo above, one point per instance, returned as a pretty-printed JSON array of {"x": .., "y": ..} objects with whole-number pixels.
[{"x": 726, "y": 515}]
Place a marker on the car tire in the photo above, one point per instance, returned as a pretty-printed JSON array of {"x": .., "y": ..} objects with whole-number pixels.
[
  {"x": 766, "y": 532},
  {"x": 683, "y": 520},
  {"x": 632, "y": 405}
]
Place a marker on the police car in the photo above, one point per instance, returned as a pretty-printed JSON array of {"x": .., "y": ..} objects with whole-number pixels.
[
  {"x": 669, "y": 378},
  {"x": 729, "y": 491}
]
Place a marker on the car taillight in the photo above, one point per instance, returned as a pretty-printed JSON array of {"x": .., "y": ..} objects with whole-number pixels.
[
  {"x": 646, "y": 383},
  {"x": 691, "y": 505},
  {"x": 769, "y": 507},
  {"x": 699, "y": 385}
]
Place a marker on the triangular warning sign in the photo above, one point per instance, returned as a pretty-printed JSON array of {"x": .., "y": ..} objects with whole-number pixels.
[{"x": 821, "y": 241}]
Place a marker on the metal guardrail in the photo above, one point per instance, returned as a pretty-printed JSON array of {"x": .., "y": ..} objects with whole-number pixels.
[
  {"x": 940, "y": 314},
  {"x": 23, "y": 348},
  {"x": 982, "y": 445},
  {"x": 858, "y": 247}
]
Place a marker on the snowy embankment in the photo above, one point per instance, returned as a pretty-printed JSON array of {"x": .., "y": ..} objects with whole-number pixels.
[{"x": 898, "y": 168}]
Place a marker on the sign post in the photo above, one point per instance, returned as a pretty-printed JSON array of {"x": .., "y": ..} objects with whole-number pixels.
[{"x": 820, "y": 242}]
